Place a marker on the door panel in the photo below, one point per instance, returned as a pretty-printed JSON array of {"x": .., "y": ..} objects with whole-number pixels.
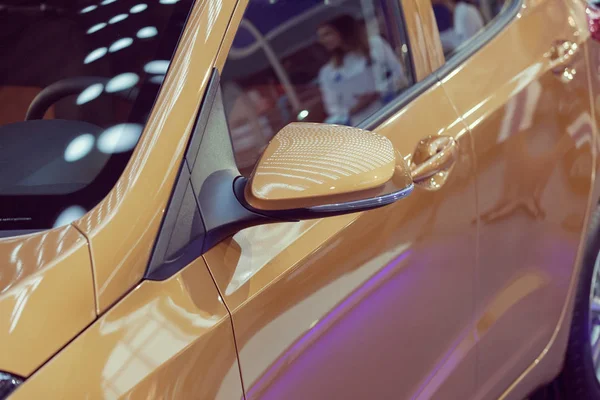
[
  {"x": 532, "y": 130},
  {"x": 375, "y": 305},
  {"x": 165, "y": 340}
]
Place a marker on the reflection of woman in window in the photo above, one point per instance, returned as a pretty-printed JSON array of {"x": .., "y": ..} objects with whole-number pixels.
[
  {"x": 467, "y": 22},
  {"x": 362, "y": 73}
]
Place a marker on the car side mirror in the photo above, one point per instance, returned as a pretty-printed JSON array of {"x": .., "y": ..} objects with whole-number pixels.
[
  {"x": 312, "y": 170},
  {"x": 307, "y": 171}
]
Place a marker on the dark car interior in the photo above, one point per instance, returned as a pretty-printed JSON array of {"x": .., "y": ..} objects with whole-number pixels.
[{"x": 77, "y": 82}]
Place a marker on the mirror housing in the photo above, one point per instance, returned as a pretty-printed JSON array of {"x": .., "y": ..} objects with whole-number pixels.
[
  {"x": 312, "y": 170},
  {"x": 211, "y": 201}
]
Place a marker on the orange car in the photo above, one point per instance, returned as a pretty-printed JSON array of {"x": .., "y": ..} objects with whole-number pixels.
[{"x": 284, "y": 199}]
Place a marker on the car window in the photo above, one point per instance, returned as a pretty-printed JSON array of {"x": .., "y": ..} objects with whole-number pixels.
[
  {"x": 313, "y": 61},
  {"x": 78, "y": 80},
  {"x": 459, "y": 21}
]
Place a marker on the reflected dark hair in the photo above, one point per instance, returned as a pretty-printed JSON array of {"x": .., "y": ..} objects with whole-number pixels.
[{"x": 353, "y": 36}]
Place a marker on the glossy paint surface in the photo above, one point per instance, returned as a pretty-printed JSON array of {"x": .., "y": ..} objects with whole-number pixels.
[
  {"x": 165, "y": 340},
  {"x": 534, "y": 141},
  {"x": 302, "y": 294},
  {"x": 346, "y": 306},
  {"x": 46, "y": 296},
  {"x": 549, "y": 363},
  {"x": 419, "y": 29},
  {"x": 122, "y": 228},
  {"x": 309, "y": 163}
]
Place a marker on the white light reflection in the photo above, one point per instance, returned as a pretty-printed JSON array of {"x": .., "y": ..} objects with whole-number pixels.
[
  {"x": 118, "y": 18},
  {"x": 157, "y": 67},
  {"x": 120, "y": 44},
  {"x": 89, "y": 93},
  {"x": 69, "y": 215},
  {"x": 168, "y": 1},
  {"x": 119, "y": 138},
  {"x": 106, "y": 2},
  {"x": 138, "y": 8},
  {"x": 147, "y": 32},
  {"x": 302, "y": 114},
  {"x": 96, "y": 28},
  {"x": 122, "y": 82},
  {"x": 79, "y": 147},
  {"x": 95, "y": 55},
  {"x": 88, "y": 9},
  {"x": 158, "y": 79},
  {"x": 213, "y": 12}
]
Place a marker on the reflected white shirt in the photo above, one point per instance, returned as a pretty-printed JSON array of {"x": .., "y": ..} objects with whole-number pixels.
[
  {"x": 340, "y": 85},
  {"x": 467, "y": 22}
]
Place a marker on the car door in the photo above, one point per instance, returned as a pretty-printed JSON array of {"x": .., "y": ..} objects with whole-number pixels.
[
  {"x": 374, "y": 305},
  {"x": 522, "y": 89}
]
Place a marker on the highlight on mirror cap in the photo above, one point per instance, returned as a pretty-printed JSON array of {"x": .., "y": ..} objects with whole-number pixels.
[{"x": 309, "y": 164}]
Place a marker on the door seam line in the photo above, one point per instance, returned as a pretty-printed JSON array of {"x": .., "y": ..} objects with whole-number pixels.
[
  {"x": 89, "y": 246},
  {"x": 235, "y": 343}
]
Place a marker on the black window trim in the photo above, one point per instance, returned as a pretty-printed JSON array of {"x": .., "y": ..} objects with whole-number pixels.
[{"x": 490, "y": 32}]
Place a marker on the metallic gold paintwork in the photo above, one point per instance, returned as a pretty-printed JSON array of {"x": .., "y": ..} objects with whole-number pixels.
[
  {"x": 533, "y": 137},
  {"x": 46, "y": 296},
  {"x": 302, "y": 294},
  {"x": 312, "y": 290},
  {"x": 308, "y": 164},
  {"x": 416, "y": 36},
  {"x": 123, "y": 227},
  {"x": 169, "y": 340}
]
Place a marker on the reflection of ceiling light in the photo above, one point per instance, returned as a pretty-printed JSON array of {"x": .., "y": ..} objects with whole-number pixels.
[
  {"x": 96, "y": 28},
  {"x": 95, "y": 55},
  {"x": 122, "y": 82},
  {"x": 157, "y": 67},
  {"x": 105, "y": 2},
  {"x": 168, "y": 1},
  {"x": 117, "y": 18},
  {"x": 138, "y": 8},
  {"x": 69, "y": 215},
  {"x": 88, "y": 9},
  {"x": 147, "y": 32},
  {"x": 120, "y": 44},
  {"x": 90, "y": 93},
  {"x": 79, "y": 147},
  {"x": 119, "y": 138},
  {"x": 302, "y": 114},
  {"x": 158, "y": 79}
]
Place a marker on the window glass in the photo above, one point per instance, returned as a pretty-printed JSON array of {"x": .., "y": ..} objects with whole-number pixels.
[
  {"x": 459, "y": 21},
  {"x": 312, "y": 61},
  {"x": 78, "y": 80}
]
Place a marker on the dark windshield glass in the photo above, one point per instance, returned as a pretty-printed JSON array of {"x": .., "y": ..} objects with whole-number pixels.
[{"x": 78, "y": 80}]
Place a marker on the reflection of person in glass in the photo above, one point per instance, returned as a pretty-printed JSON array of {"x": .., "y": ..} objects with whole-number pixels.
[
  {"x": 362, "y": 73},
  {"x": 467, "y": 21}
]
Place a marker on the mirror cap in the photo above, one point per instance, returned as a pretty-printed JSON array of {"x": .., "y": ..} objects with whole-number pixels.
[{"x": 311, "y": 165}]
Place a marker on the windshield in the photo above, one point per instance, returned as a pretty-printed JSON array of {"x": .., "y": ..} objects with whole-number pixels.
[{"x": 78, "y": 80}]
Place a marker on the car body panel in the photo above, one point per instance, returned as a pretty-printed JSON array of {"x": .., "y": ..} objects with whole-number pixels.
[
  {"x": 170, "y": 339},
  {"x": 46, "y": 296},
  {"x": 311, "y": 289},
  {"x": 429, "y": 29},
  {"x": 549, "y": 363},
  {"x": 348, "y": 303},
  {"x": 123, "y": 227},
  {"x": 534, "y": 142},
  {"x": 417, "y": 29}
]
